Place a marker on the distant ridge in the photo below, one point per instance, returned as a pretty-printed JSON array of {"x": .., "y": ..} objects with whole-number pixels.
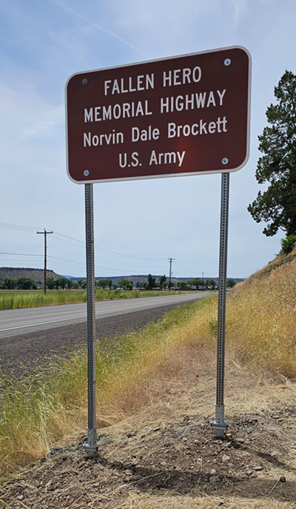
[{"x": 35, "y": 274}]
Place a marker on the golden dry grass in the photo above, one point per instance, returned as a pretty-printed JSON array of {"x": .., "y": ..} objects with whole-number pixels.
[
  {"x": 162, "y": 502},
  {"x": 50, "y": 406},
  {"x": 261, "y": 318}
]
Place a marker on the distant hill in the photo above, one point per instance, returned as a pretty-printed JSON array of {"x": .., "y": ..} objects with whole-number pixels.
[{"x": 35, "y": 274}]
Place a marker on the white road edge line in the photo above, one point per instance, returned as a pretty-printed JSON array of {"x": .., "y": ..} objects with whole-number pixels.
[{"x": 34, "y": 324}]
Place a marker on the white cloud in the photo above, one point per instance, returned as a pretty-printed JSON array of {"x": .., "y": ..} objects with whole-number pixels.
[{"x": 95, "y": 25}]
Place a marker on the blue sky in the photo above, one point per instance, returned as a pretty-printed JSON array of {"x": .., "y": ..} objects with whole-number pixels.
[{"x": 139, "y": 224}]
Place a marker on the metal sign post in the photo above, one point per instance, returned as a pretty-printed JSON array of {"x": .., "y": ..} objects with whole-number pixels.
[
  {"x": 219, "y": 425},
  {"x": 91, "y": 447}
]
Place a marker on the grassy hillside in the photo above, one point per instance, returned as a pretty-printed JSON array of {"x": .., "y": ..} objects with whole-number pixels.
[{"x": 261, "y": 317}]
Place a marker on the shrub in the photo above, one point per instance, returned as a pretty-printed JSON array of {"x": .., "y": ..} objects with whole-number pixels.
[{"x": 288, "y": 243}]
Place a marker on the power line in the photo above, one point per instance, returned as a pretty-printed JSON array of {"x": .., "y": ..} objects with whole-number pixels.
[
  {"x": 108, "y": 250},
  {"x": 67, "y": 261},
  {"x": 9, "y": 226},
  {"x": 189, "y": 270},
  {"x": 20, "y": 254},
  {"x": 96, "y": 266}
]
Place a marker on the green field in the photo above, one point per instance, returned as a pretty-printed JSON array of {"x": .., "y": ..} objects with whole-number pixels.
[{"x": 18, "y": 299}]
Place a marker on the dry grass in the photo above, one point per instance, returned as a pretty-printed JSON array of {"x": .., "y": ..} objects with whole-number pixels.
[
  {"x": 162, "y": 502},
  {"x": 50, "y": 406},
  {"x": 175, "y": 392},
  {"x": 261, "y": 319}
]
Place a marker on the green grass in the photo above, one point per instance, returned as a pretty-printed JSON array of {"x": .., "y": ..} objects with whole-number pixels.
[{"x": 18, "y": 299}]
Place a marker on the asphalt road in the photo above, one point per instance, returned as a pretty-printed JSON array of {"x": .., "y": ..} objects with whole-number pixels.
[{"x": 16, "y": 322}]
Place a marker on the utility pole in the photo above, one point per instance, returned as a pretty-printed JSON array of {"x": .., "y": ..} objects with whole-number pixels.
[
  {"x": 45, "y": 255},
  {"x": 170, "y": 276}
]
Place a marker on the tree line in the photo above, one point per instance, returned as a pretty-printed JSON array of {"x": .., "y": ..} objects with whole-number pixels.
[
  {"x": 21, "y": 283},
  {"x": 201, "y": 284},
  {"x": 127, "y": 284},
  {"x": 26, "y": 283}
]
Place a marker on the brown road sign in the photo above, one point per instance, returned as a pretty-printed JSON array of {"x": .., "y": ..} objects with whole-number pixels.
[{"x": 179, "y": 116}]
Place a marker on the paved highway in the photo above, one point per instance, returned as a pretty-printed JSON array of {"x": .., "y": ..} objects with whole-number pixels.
[{"x": 21, "y": 321}]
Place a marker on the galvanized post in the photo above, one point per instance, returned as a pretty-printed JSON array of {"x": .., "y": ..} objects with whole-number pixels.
[
  {"x": 91, "y": 447},
  {"x": 219, "y": 425}
]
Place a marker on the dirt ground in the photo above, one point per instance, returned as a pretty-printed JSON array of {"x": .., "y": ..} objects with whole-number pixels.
[{"x": 166, "y": 456}]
